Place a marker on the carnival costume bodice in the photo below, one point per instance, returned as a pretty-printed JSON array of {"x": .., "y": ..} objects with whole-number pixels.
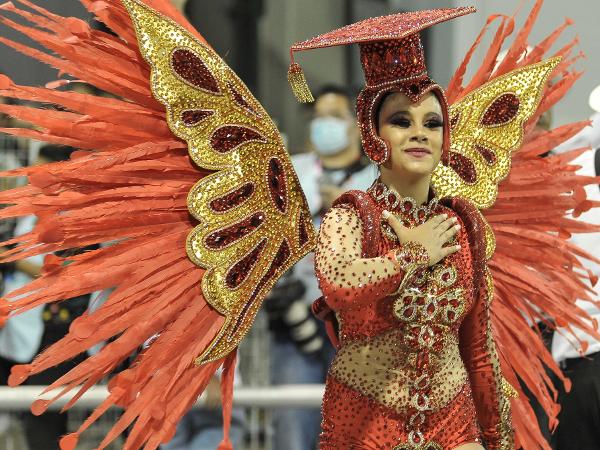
[{"x": 416, "y": 367}]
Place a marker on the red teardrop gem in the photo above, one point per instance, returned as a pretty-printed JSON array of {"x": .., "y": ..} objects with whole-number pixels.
[
  {"x": 233, "y": 198},
  {"x": 228, "y": 137},
  {"x": 488, "y": 155},
  {"x": 463, "y": 167},
  {"x": 302, "y": 231},
  {"x": 454, "y": 120},
  {"x": 281, "y": 257},
  {"x": 502, "y": 110},
  {"x": 240, "y": 270},
  {"x": 222, "y": 238},
  {"x": 240, "y": 100},
  {"x": 277, "y": 186},
  {"x": 193, "y": 117},
  {"x": 193, "y": 71}
]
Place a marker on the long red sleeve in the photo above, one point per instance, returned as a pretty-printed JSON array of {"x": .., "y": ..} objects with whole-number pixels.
[{"x": 478, "y": 351}]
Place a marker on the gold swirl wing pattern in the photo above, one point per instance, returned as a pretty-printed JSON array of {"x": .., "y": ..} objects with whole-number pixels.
[
  {"x": 487, "y": 125},
  {"x": 254, "y": 222}
]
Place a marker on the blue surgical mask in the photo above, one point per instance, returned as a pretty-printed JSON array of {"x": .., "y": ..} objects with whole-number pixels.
[{"x": 329, "y": 135}]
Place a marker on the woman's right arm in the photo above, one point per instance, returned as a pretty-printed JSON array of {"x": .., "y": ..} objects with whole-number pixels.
[{"x": 346, "y": 279}]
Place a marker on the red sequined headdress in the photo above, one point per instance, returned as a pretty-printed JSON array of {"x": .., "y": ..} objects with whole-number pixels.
[{"x": 392, "y": 58}]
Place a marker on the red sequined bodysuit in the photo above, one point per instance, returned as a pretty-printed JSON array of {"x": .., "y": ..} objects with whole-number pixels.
[{"x": 416, "y": 367}]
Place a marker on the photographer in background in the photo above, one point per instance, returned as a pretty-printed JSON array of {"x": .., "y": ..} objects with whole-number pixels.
[{"x": 300, "y": 350}]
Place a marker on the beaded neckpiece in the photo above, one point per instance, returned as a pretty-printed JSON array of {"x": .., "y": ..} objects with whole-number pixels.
[{"x": 405, "y": 207}]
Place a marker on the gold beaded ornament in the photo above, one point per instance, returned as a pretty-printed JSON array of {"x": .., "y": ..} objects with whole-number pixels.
[
  {"x": 487, "y": 125},
  {"x": 299, "y": 85},
  {"x": 254, "y": 221}
]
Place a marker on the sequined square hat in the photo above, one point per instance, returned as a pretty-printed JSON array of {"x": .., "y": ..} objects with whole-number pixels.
[{"x": 392, "y": 58}]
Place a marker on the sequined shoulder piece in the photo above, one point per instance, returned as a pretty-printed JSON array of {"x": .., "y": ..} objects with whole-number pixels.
[
  {"x": 475, "y": 226},
  {"x": 254, "y": 221},
  {"x": 370, "y": 215}
]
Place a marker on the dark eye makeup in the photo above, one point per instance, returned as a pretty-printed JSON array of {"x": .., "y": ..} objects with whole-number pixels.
[
  {"x": 402, "y": 121},
  {"x": 434, "y": 123}
]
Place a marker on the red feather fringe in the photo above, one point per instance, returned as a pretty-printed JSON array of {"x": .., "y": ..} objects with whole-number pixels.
[{"x": 129, "y": 188}]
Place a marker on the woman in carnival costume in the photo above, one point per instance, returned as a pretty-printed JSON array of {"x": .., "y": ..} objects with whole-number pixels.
[{"x": 188, "y": 179}]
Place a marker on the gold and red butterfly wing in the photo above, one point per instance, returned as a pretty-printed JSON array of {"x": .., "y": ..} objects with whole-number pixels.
[
  {"x": 487, "y": 126},
  {"x": 254, "y": 222}
]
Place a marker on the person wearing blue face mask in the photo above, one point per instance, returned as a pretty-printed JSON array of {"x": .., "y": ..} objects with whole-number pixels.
[
  {"x": 333, "y": 129},
  {"x": 300, "y": 351},
  {"x": 334, "y": 136},
  {"x": 329, "y": 135}
]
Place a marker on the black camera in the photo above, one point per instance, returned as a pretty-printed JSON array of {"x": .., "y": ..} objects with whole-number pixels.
[{"x": 290, "y": 316}]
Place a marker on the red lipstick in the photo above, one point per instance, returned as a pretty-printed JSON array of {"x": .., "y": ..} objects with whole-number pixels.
[{"x": 418, "y": 152}]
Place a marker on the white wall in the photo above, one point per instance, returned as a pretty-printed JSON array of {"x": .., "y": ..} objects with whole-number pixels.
[{"x": 286, "y": 22}]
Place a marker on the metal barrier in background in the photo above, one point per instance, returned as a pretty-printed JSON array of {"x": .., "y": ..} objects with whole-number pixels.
[
  {"x": 282, "y": 396},
  {"x": 254, "y": 367},
  {"x": 261, "y": 400}
]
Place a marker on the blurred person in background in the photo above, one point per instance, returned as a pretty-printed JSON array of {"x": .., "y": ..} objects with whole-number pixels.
[
  {"x": 543, "y": 125},
  {"x": 20, "y": 336},
  {"x": 13, "y": 154},
  {"x": 23, "y": 336},
  {"x": 13, "y": 149},
  {"x": 300, "y": 351},
  {"x": 579, "y": 418}
]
